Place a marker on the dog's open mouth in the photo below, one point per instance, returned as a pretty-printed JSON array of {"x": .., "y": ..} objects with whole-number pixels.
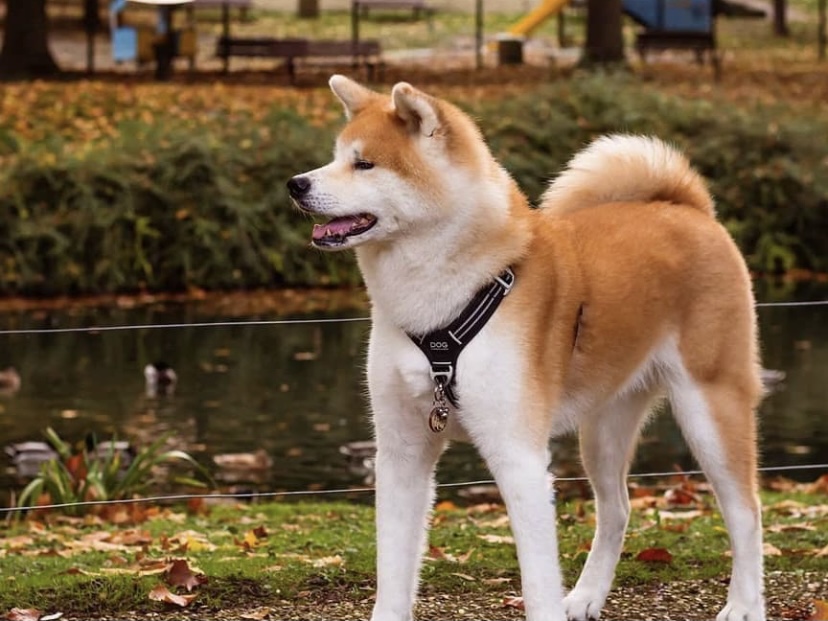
[{"x": 335, "y": 232}]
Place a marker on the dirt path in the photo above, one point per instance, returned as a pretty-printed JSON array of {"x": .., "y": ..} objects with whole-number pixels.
[{"x": 788, "y": 595}]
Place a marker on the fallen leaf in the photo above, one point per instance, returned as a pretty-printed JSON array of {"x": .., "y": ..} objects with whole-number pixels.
[
  {"x": 819, "y": 486},
  {"x": 770, "y": 550},
  {"x": 466, "y": 577},
  {"x": 464, "y": 558},
  {"x": 180, "y": 575},
  {"x": 496, "y": 581},
  {"x": 513, "y": 602},
  {"x": 786, "y": 528},
  {"x": 163, "y": 594},
  {"x": 654, "y": 555},
  {"x": 329, "y": 561},
  {"x": 445, "y": 505},
  {"x": 52, "y": 617},
  {"x": 496, "y": 538},
  {"x": 680, "y": 515},
  {"x": 23, "y": 614}
]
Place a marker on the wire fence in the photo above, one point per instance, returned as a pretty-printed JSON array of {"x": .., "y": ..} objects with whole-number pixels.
[
  {"x": 331, "y": 492},
  {"x": 170, "y": 498},
  {"x": 278, "y": 322}
]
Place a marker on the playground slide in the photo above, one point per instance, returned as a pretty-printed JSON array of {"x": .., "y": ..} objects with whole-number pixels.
[{"x": 533, "y": 19}]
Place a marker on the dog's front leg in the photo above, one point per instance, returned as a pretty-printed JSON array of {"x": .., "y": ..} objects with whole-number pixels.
[
  {"x": 520, "y": 470},
  {"x": 406, "y": 456}
]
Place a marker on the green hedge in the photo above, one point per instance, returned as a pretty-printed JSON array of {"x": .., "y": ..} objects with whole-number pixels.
[{"x": 160, "y": 207}]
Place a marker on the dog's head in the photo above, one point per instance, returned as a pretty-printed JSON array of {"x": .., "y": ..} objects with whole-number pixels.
[{"x": 399, "y": 164}]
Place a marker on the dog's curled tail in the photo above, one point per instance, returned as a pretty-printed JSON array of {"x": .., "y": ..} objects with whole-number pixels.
[{"x": 618, "y": 168}]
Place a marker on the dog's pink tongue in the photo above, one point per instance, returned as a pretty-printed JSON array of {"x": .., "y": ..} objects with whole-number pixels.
[{"x": 336, "y": 227}]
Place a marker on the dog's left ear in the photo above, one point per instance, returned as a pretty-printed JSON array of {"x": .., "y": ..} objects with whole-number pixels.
[{"x": 417, "y": 109}]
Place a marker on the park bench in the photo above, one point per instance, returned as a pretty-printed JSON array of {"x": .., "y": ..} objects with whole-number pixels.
[
  {"x": 364, "y": 53},
  {"x": 699, "y": 42},
  {"x": 418, "y": 8}
]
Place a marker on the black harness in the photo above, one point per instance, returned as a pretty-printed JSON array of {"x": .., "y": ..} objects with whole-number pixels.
[{"x": 443, "y": 346}]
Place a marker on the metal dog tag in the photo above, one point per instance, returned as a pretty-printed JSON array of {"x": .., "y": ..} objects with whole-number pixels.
[{"x": 438, "y": 418}]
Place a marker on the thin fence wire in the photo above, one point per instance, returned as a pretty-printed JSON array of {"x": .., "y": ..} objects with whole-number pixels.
[
  {"x": 363, "y": 490},
  {"x": 353, "y": 490},
  {"x": 274, "y": 322}
]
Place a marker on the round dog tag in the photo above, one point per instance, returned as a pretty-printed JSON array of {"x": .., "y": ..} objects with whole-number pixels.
[{"x": 438, "y": 418}]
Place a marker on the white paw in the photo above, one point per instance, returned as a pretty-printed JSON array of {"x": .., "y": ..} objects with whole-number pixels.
[
  {"x": 583, "y": 604},
  {"x": 738, "y": 611}
]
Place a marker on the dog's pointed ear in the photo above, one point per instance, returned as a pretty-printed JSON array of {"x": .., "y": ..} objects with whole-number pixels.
[
  {"x": 418, "y": 110},
  {"x": 354, "y": 96}
]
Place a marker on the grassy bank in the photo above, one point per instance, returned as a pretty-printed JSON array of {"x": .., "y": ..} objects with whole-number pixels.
[
  {"x": 113, "y": 187},
  {"x": 285, "y": 556}
]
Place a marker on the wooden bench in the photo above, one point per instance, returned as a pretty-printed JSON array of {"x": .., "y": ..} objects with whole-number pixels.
[
  {"x": 699, "y": 42},
  {"x": 362, "y": 53},
  {"x": 418, "y": 8}
]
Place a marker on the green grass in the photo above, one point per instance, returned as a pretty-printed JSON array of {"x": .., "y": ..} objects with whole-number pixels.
[{"x": 312, "y": 548}]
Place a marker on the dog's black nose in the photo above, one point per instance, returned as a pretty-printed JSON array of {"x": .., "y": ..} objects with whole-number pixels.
[{"x": 298, "y": 186}]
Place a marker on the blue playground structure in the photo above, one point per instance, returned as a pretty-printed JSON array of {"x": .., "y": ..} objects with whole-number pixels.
[
  {"x": 676, "y": 24},
  {"x": 672, "y": 15},
  {"x": 133, "y": 41}
]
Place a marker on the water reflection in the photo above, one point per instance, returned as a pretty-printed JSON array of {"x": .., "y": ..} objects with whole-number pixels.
[{"x": 276, "y": 404}]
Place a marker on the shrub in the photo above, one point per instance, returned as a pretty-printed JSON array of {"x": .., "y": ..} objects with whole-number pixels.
[{"x": 195, "y": 197}]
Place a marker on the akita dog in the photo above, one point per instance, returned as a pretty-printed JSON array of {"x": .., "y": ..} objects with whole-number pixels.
[{"x": 620, "y": 289}]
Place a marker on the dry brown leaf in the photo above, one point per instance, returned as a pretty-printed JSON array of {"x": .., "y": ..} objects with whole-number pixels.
[
  {"x": 497, "y": 538},
  {"x": 654, "y": 555},
  {"x": 680, "y": 515},
  {"x": 465, "y": 577},
  {"x": 820, "y": 486},
  {"x": 163, "y": 594},
  {"x": 445, "y": 505},
  {"x": 180, "y": 574},
  {"x": 329, "y": 561},
  {"x": 464, "y": 558},
  {"x": 23, "y": 614},
  {"x": 786, "y": 528},
  {"x": 513, "y": 602},
  {"x": 496, "y": 581}
]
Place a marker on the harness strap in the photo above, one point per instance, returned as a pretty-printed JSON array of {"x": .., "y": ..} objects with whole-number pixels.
[{"x": 442, "y": 347}]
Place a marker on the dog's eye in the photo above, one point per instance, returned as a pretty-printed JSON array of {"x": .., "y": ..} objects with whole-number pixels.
[{"x": 363, "y": 165}]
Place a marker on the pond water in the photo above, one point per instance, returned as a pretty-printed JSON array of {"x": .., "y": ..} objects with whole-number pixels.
[{"x": 295, "y": 392}]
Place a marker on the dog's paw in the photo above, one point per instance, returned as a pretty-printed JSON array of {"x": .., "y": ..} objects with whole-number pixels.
[
  {"x": 737, "y": 611},
  {"x": 583, "y": 604}
]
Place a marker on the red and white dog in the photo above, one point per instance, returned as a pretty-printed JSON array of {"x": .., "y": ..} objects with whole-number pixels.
[{"x": 626, "y": 291}]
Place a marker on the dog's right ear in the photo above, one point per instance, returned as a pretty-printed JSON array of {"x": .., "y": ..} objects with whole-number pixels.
[{"x": 354, "y": 96}]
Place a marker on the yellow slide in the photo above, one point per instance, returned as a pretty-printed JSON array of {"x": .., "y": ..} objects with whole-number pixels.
[{"x": 546, "y": 9}]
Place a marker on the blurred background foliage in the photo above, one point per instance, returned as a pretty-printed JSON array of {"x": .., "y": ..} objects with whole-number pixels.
[{"x": 141, "y": 187}]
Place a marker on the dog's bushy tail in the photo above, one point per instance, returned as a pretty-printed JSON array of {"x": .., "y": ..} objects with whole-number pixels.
[{"x": 622, "y": 167}]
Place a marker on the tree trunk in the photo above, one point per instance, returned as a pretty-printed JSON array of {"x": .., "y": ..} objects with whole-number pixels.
[
  {"x": 25, "y": 51},
  {"x": 604, "y": 37},
  {"x": 780, "y": 18}
]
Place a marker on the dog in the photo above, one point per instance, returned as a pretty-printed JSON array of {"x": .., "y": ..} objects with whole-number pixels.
[{"x": 619, "y": 290}]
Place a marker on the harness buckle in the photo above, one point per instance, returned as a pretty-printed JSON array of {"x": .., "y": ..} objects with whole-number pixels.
[
  {"x": 506, "y": 280},
  {"x": 441, "y": 377}
]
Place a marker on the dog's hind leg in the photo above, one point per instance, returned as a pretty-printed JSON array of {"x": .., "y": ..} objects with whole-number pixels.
[
  {"x": 406, "y": 457},
  {"x": 717, "y": 420},
  {"x": 608, "y": 438}
]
